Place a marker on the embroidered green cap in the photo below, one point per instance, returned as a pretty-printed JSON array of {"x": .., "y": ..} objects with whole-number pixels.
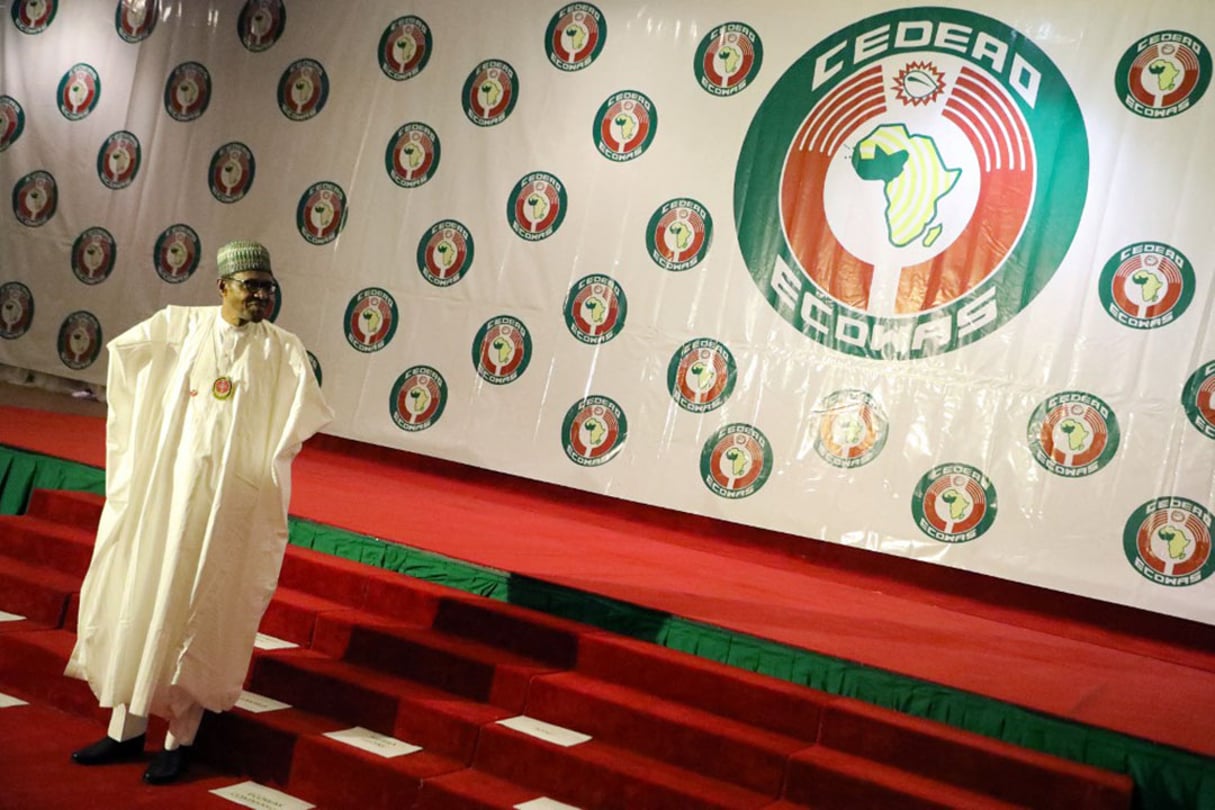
[{"x": 238, "y": 257}]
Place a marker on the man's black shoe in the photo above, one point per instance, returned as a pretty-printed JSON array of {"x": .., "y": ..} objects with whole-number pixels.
[
  {"x": 108, "y": 750},
  {"x": 167, "y": 766}
]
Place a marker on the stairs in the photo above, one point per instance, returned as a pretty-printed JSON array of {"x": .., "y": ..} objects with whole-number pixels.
[{"x": 441, "y": 669}]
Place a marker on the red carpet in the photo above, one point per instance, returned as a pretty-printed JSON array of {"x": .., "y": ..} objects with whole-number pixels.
[{"x": 1074, "y": 658}]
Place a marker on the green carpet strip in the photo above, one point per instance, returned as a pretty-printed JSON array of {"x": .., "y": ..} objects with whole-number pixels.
[{"x": 1165, "y": 778}]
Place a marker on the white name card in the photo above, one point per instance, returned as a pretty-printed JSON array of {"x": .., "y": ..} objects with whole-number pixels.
[
  {"x": 545, "y": 731},
  {"x": 369, "y": 740},
  {"x": 260, "y": 797}
]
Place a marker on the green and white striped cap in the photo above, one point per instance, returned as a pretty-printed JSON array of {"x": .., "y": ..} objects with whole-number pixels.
[{"x": 237, "y": 257}]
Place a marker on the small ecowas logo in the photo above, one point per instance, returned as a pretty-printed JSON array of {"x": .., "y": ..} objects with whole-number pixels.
[
  {"x": 12, "y": 121},
  {"x": 625, "y": 125},
  {"x": 593, "y": 431},
  {"x": 575, "y": 36},
  {"x": 79, "y": 91},
  {"x": 736, "y": 461},
  {"x": 501, "y": 350},
  {"x": 33, "y": 16},
  {"x": 445, "y": 253},
  {"x": 412, "y": 156},
  {"x": 701, "y": 375},
  {"x": 891, "y": 195},
  {"x": 536, "y": 206},
  {"x": 417, "y": 399},
  {"x": 230, "y": 175},
  {"x": 16, "y": 310},
  {"x": 405, "y": 48},
  {"x": 303, "y": 89},
  {"x": 1198, "y": 399},
  {"x": 850, "y": 428},
  {"x": 261, "y": 23},
  {"x": 1163, "y": 74},
  {"x": 371, "y": 319},
  {"x": 728, "y": 59},
  {"x": 595, "y": 309},
  {"x": 316, "y": 367},
  {"x": 1073, "y": 434},
  {"x": 93, "y": 255},
  {"x": 134, "y": 20},
  {"x": 490, "y": 93},
  {"x": 1168, "y": 541},
  {"x": 321, "y": 213},
  {"x": 1146, "y": 285},
  {"x": 35, "y": 198},
  {"x": 954, "y": 503},
  {"x": 80, "y": 340},
  {"x": 679, "y": 234},
  {"x": 188, "y": 92},
  {"x": 177, "y": 253},
  {"x": 118, "y": 160}
]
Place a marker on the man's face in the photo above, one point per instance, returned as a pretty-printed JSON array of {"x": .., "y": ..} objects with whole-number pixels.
[{"x": 246, "y": 296}]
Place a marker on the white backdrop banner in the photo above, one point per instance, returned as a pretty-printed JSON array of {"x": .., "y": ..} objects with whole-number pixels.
[{"x": 934, "y": 281}]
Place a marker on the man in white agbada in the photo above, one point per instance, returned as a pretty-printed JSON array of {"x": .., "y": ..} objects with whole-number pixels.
[{"x": 207, "y": 408}]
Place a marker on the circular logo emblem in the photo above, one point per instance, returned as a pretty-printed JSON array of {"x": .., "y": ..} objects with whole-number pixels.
[
  {"x": 593, "y": 431},
  {"x": 417, "y": 398},
  {"x": 575, "y": 36},
  {"x": 1146, "y": 285},
  {"x": 501, "y": 350},
  {"x": 701, "y": 375},
  {"x": 261, "y": 23},
  {"x": 33, "y": 16},
  {"x": 79, "y": 340},
  {"x": 536, "y": 206},
  {"x": 850, "y": 428},
  {"x": 888, "y": 197},
  {"x": 316, "y": 367},
  {"x": 230, "y": 175},
  {"x": 1073, "y": 434},
  {"x": 405, "y": 48},
  {"x": 12, "y": 121},
  {"x": 679, "y": 234},
  {"x": 118, "y": 160},
  {"x": 1168, "y": 540},
  {"x": 954, "y": 503},
  {"x": 412, "y": 156},
  {"x": 16, "y": 310},
  {"x": 595, "y": 308},
  {"x": 1198, "y": 399},
  {"x": 1163, "y": 74},
  {"x": 135, "y": 19},
  {"x": 187, "y": 91},
  {"x": 303, "y": 89},
  {"x": 736, "y": 461},
  {"x": 177, "y": 253},
  {"x": 35, "y": 198},
  {"x": 371, "y": 319},
  {"x": 79, "y": 90},
  {"x": 445, "y": 253},
  {"x": 728, "y": 58},
  {"x": 490, "y": 93},
  {"x": 625, "y": 125},
  {"x": 321, "y": 214},
  {"x": 93, "y": 255}
]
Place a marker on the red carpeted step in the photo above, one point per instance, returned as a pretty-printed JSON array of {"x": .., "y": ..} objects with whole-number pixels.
[
  {"x": 260, "y": 745},
  {"x": 530, "y": 633},
  {"x": 360, "y": 696},
  {"x": 971, "y": 761},
  {"x": 758, "y": 700},
  {"x": 677, "y": 733},
  {"x": 32, "y": 664},
  {"x": 291, "y": 615},
  {"x": 467, "y": 667},
  {"x": 38, "y": 593},
  {"x": 471, "y": 789},
  {"x": 360, "y": 586},
  {"x": 47, "y": 544},
  {"x": 823, "y": 778},
  {"x": 68, "y": 507},
  {"x": 598, "y": 775}
]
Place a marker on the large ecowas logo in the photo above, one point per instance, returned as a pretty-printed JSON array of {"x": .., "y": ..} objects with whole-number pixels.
[{"x": 911, "y": 183}]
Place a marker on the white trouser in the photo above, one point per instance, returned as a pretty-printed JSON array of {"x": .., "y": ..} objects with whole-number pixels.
[{"x": 182, "y": 727}]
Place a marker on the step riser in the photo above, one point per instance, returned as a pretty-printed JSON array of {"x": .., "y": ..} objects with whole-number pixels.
[
  {"x": 66, "y": 507},
  {"x": 36, "y": 601},
  {"x": 23, "y": 541},
  {"x": 533, "y": 636}
]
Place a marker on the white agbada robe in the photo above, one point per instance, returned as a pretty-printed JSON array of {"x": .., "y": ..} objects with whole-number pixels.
[{"x": 194, "y": 527}]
